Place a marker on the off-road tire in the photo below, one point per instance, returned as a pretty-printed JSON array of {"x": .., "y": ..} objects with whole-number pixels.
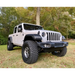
[
  {"x": 33, "y": 52},
  {"x": 9, "y": 46},
  {"x": 61, "y": 52}
]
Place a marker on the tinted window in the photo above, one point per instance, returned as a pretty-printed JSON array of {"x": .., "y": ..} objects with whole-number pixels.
[
  {"x": 20, "y": 28},
  {"x": 15, "y": 30},
  {"x": 32, "y": 27}
]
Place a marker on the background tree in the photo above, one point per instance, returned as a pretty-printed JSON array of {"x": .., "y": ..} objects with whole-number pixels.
[
  {"x": 38, "y": 16},
  {"x": 61, "y": 19},
  {"x": 11, "y": 16},
  {"x": 57, "y": 18},
  {"x": 7, "y": 18}
]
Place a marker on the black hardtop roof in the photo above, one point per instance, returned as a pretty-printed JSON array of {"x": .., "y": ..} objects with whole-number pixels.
[{"x": 31, "y": 24}]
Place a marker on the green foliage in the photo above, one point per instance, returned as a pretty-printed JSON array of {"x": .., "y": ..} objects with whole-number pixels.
[
  {"x": 7, "y": 18},
  {"x": 3, "y": 40},
  {"x": 56, "y": 19},
  {"x": 72, "y": 34},
  {"x": 59, "y": 19},
  {"x": 11, "y": 17},
  {"x": 26, "y": 15},
  {"x": 31, "y": 7}
]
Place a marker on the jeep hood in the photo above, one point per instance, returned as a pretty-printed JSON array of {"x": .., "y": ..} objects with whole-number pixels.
[
  {"x": 47, "y": 31},
  {"x": 42, "y": 31},
  {"x": 36, "y": 31}
]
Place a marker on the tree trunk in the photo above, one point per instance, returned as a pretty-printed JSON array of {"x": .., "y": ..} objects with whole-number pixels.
[{"x": 38, "y": 16}]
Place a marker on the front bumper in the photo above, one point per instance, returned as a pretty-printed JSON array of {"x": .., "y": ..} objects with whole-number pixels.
[{"x": 47, "y": 45}]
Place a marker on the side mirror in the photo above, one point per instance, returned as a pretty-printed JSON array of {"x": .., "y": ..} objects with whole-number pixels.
[
  {"x": 63, "y": 38},
  {"x": 19, "y": 30}
]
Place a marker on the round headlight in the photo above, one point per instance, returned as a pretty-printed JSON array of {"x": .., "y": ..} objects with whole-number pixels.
[{"x": 43, "y": 34}]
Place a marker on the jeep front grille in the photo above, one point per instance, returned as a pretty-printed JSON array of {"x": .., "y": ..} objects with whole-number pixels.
[{"x": 53, "y": 36}]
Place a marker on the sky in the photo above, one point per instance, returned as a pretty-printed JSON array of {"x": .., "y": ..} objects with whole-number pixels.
[{"x": 25, "y": 6}]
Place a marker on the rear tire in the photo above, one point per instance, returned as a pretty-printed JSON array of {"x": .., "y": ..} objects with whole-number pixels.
[
  {"x": 9, "y": 45},
  {"x": 29, "y": 52},
  {"x": 61, "y": 52}
]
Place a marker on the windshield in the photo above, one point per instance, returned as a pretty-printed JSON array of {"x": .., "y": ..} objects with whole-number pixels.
[{"x": 32, "y": 27}]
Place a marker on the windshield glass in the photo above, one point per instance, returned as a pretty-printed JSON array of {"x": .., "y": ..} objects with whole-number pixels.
[{"x": 32, "y": 27}]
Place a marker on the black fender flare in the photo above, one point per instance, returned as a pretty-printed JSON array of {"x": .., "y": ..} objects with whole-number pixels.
[
  {"x": 34, "y": 37},
  {"x": 10, "y": 38}
]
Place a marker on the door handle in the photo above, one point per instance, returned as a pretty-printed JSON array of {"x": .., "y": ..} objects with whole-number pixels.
[
  {"x": 22, "y": 34},
  {"x": 16, "y": 35},
  {"x": 13, "y": 35}
]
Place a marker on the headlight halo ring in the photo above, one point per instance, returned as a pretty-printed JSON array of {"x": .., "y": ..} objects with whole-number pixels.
[{"x": 43, "y": 34}]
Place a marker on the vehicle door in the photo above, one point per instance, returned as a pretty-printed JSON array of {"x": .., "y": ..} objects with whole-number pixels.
[
  {"x": 20, "y": 36},
  {"x": 14, "y": 36}
]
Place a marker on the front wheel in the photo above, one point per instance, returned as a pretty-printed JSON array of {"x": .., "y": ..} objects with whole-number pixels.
[
  {"x": 29, "y": 52},
  {"x": 61, "y": 52}
]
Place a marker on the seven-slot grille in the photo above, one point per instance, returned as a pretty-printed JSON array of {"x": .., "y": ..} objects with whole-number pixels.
[{"x": 53, "y": 36}]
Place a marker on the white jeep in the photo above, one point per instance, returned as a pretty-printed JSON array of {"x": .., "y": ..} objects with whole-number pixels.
[{"x": 34, "y": 39}]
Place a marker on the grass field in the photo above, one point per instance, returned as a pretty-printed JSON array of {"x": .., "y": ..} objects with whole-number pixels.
[{"x": 13, "y": 59}]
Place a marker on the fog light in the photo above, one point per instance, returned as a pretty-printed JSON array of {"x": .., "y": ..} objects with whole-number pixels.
[{"x": 46, "y": 45}]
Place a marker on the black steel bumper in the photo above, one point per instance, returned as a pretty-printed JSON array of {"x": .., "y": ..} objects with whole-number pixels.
[{"x": 47, "y": 45}]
